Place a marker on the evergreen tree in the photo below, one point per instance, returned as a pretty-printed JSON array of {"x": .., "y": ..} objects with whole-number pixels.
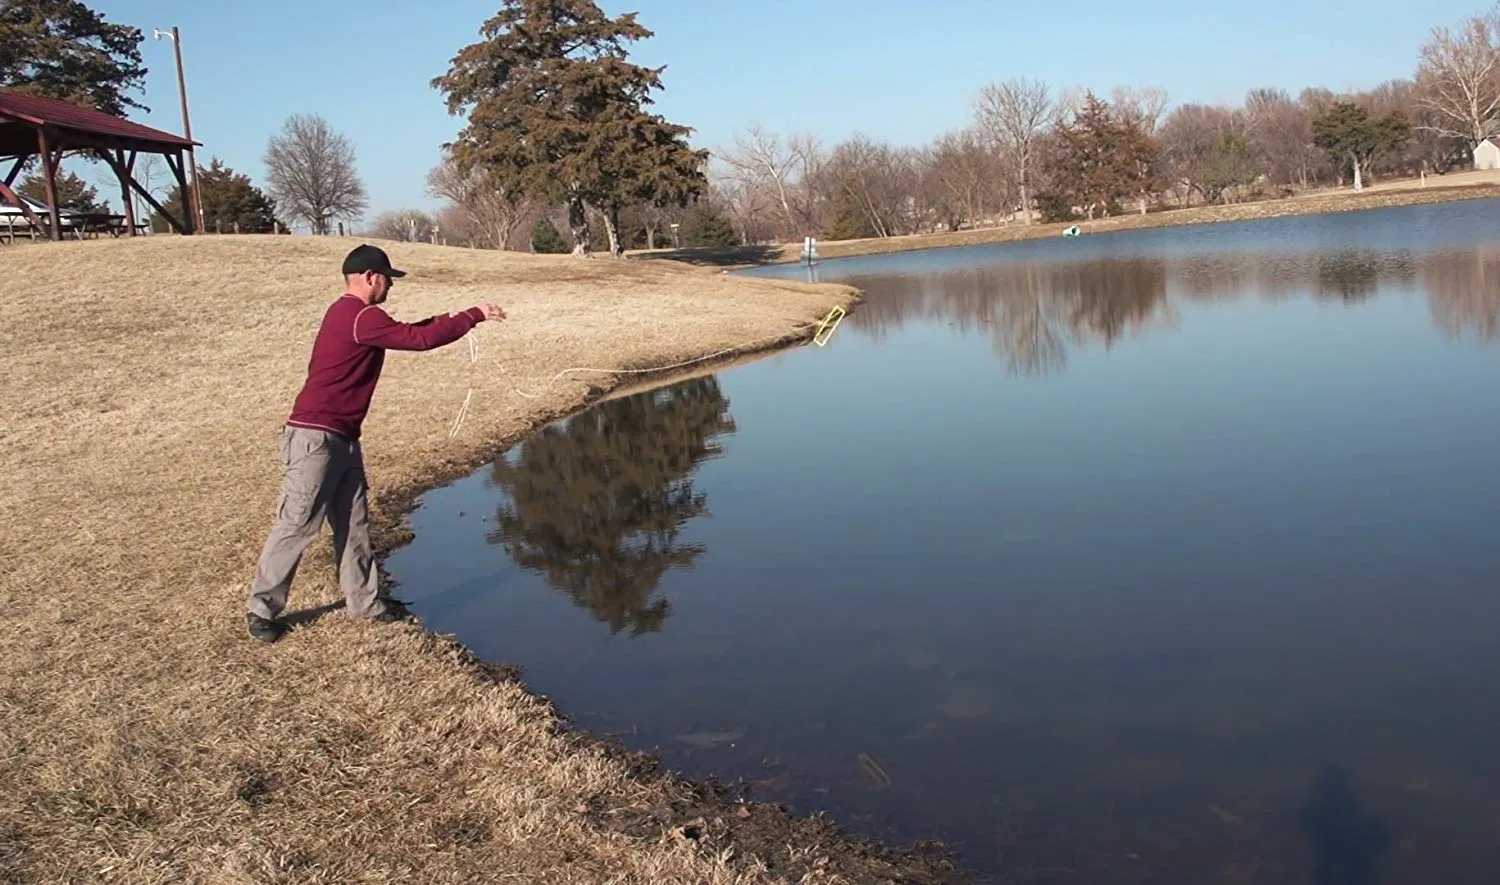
[
  {"x": 555, "y": 109},
  {"x": 1101, "y": 159},
  {"x": 63, "y": 49},
  {"x": 1053, "y": 205},
  {"x": 72, "y": 193},
  {"x": 1351, "y": 137},
  {"x": 229, "y": 198},
  {"x": 850, "y": 221},
  {"x": 649, "y": 162},
  {"x": 545, "y": 239},
  {"x": 705, "y": 226}
]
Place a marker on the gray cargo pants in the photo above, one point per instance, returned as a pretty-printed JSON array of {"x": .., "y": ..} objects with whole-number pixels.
[{"x": 324, "y": 478}]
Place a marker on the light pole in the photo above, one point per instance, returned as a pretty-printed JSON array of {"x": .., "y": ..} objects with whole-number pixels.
[{"x": 195, "y": 213}]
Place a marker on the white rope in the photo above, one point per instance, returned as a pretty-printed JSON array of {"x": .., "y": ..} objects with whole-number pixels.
[{"x": 463, "y": 411}]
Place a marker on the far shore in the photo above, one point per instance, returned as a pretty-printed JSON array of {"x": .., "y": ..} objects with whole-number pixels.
[{"x": 1437, "y": 189}]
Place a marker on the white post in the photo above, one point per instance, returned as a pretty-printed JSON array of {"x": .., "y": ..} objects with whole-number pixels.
[{"x": 809, "y": 249}]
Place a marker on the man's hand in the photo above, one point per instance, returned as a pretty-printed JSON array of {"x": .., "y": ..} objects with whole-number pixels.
[{"x": 492, "y": 311}]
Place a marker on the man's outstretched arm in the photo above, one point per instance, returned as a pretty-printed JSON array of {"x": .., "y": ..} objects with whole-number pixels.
[{"x": 375, "y": 327}]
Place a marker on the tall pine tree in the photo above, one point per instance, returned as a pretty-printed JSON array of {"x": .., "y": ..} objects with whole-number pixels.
[
  {"x": 231, "y": 203},
  {"x": 63, "y": 49},
  {"x": 555, "y": 108},
  {"x": 1101, "y": 158},
  {"x": 73, "y": 193},
  {"x": 649, "y": 162},
  {"x": 1350, "y": 136}
]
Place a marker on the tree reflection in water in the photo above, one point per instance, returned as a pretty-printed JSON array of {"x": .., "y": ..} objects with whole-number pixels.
[
  {"x": 1031, "y": 311},
  {"x": 1463, "y": 291},
  {"x": 1034, "y": 311},
  {"x": 595, "y": 503}
]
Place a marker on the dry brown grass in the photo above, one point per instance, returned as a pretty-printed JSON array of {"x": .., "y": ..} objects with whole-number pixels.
[
  {"x": 145, "y": 738},
  {"x": 1475, "y": 188}
]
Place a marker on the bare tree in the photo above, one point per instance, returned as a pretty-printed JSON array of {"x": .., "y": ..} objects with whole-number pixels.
[
  {"x": 494, "y": 210},
  {"x": 1068, "y": 103},
  {"x": 1140, "y": 106},
  {"x": 1281, "y": 130},
  {"x": 754, "y": 210},
  {"x": 1141, "y": 109},
  {"x": 1459, "y": 77},
  {"x": 759, "y": 159},
  {"x": 403, "y": 225},
  {"x": 809, "y": 157},
  {"x": 152, "y": 175},
  {"x": 311, "y": 173},
  {"x": 1013, "y": 113},
  {"x": 453, "y": 225},
  {"x": 875, "y": 187},
  {"x": 1204, "y": 150},
  {"x": 961, "y": 176},
  {"x": 787, "y": 171}
]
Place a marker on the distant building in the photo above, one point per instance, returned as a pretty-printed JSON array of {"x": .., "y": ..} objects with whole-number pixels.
[{"x": 1487, "y": 153}]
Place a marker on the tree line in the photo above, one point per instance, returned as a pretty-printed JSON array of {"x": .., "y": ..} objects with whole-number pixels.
[
  {"x": 1030, "y": 151},
  {"x": 560, "y": 149}
]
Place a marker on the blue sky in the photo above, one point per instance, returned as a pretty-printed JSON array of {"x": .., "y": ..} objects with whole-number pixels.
[{"x": 905, "y": 72}]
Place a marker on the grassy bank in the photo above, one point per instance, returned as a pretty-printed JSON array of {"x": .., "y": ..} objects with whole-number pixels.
[
  {"x": 145, "y": 738},
  {"x": 778, "y": 253}
]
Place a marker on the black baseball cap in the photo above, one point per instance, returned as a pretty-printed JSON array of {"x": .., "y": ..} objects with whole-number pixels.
[{"x": 365, "y": 257}]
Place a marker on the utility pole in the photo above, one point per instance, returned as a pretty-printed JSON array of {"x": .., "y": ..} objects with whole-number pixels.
[{"x": 196, "y": 211}]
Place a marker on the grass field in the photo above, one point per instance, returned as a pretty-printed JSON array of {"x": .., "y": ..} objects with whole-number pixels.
[
  {"x": 1405, "y": 192},
  {"x": 145, "y": 738}
]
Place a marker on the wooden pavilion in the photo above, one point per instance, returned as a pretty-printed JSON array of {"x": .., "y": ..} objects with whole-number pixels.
[{"x": 49, "y": 128}]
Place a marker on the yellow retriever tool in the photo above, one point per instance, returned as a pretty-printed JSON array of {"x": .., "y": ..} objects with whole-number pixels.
[{"x": 826, "y": 327}]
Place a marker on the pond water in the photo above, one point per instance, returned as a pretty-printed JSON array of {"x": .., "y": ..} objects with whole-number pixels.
[{"x": 1160, "y": 556}]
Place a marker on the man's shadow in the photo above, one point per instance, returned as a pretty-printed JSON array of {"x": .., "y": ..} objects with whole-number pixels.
[
  {"x": 1347, "y": 842},
  {"x": 312, "y": 615}
]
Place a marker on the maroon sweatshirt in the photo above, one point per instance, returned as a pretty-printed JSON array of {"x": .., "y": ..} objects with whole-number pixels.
[{"x": 348, "y": 354}]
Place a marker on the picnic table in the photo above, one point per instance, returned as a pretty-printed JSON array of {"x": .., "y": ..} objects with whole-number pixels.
[{"x": 79, "y": 224}]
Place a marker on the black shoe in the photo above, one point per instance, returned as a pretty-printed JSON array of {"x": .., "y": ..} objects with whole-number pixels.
[
  {"x": 262, "y": 629},
  {"x": 393, "y": 610}
]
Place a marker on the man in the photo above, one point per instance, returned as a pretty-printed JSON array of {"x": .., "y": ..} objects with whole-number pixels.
[{"x": 324, "y": 471}]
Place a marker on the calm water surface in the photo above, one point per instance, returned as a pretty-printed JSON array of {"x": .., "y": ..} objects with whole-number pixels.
[{"x": 1166, "y": 556}]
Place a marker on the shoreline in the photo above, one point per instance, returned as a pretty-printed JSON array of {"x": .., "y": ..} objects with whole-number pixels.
[
  {"x": 175, "y": 746},
  {"x": 715, "y": 813},
  {"x": 745, "y": 257}
]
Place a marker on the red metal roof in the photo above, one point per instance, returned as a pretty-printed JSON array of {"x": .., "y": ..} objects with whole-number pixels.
[{"x": 54, "y": 112}]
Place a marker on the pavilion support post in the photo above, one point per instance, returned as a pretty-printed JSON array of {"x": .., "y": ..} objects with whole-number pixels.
[
  {"x": 120, "y": 168},
  {"x": 13, "y": 197},
  {"x": 124, "y": 167},
  {"x": 15, "y": 170},
  {"x": 160, "y": 209},
  {"x": 174, "y": 162},
  {"x": 49, "y": 179}
]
